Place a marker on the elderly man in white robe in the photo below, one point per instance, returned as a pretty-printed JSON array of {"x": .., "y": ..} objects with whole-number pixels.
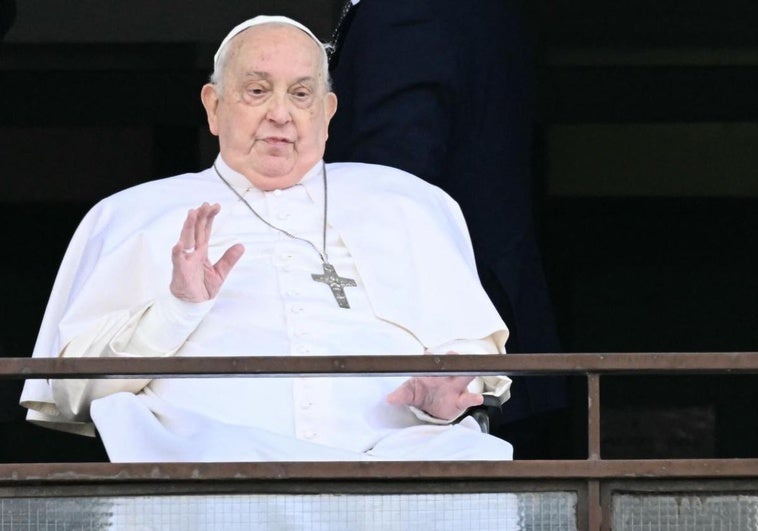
[{"x": 277, "y": 254}]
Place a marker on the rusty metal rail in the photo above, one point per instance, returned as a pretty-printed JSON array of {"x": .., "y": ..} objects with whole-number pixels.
[
  {"x": 606, "y": 363},
  {"x": 588, "y": 477}
]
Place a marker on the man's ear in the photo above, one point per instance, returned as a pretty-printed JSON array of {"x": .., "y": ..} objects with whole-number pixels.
[
  {"x": 331, "y": 106},
  {"x": 209, "y": 97}
]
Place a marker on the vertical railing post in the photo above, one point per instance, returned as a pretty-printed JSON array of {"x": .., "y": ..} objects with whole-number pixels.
[
  {"x": 594, "y": 510},
  {"x": 593, "y": 415}
]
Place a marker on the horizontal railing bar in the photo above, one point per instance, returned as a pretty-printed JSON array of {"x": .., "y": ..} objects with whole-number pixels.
[
  {"x": 15, "y": 473},
  {"x": 574, "y": 363}
]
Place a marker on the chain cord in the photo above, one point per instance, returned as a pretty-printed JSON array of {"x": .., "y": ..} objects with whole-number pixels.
[{"x": 322, "y": 254}]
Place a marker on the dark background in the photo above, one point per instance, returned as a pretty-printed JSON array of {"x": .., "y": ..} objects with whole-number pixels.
[{"x": 645, "y": 162}]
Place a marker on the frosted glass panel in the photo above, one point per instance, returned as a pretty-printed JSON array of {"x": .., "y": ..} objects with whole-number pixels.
[
  {"x": 552, "y": 511},
  {"x": 685, "y": 512}
]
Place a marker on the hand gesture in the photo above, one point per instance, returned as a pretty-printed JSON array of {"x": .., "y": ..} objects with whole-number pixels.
[
  {"x": 444, "y": 397},
  {"x": 194, "y": 277}
]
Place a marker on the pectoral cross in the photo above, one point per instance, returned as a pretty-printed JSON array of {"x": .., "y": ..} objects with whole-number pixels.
[{"x": 336, "y": 283}]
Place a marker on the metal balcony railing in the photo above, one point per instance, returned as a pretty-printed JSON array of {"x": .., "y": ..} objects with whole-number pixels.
[{"x": 606, "y": 494}]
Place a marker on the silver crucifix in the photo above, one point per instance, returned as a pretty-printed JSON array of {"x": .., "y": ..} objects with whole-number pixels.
[{"x": 336, "y": 283}]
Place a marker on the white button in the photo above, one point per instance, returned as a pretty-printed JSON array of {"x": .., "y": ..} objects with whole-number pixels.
[
  {"x": 310, "y": 435},
  {"x": 302, "y": 349},
  {"x": 277, "y": 192},
  {"x": 287, "y": 256},
  {"x": 286, "y": 268},
  {"x": 293, "y": 292},
  {"x": 297, "y": 309},
  {"x": 301, "y": 333},
  {"x": 283, "y": 215},
  {"x": 305, "y": 404}
]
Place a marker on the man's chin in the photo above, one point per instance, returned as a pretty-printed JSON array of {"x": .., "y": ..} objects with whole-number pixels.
[{"x": 277, "y": 176}]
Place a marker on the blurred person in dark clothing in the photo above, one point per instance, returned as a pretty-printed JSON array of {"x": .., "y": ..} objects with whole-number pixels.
[{"x": 443, "y": 89}]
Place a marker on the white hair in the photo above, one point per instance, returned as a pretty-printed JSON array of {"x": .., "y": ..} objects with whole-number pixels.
[{"x": 220, "y": 57}]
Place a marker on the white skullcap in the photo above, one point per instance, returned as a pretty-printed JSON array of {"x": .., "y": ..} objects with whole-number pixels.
[{"x": 265, "y": 19}]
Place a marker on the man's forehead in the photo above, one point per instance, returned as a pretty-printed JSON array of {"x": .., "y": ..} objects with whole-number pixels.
[
  {"x": 262, "y": 75},
  {"x": 259, "y": 57}
]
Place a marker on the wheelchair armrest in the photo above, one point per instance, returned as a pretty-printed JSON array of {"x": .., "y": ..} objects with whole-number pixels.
[{"x": 484, "y": 413}]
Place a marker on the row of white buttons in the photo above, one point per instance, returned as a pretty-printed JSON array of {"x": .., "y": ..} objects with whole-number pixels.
[
  {"x": 288, "y": 258},
  {"x": 280, "y": 215},
  {"x": 307, "y": 427}
]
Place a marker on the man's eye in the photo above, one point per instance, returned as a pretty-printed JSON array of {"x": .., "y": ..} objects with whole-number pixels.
[
  {"x": 256, "y": 91},
  {"x": 301, "y": 94}
]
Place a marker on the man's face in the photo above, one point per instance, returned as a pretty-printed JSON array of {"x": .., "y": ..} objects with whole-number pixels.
[{"x": 273, "y": 116}]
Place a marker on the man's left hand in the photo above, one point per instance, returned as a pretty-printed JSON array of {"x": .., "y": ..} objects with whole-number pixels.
[{"x": 443, "y": 397}]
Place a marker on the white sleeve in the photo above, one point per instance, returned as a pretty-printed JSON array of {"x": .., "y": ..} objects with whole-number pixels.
[{"x": 153, "y": 330}]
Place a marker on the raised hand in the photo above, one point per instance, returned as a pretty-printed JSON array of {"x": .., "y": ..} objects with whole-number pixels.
[
  {"x": 194, "y": 277},
  {"x": 444, "y": 397}
]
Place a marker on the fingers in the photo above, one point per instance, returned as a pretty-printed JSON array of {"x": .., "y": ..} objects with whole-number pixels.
[
  {"x": 204, "y": 225},
  {"x": 444, "y": 397},
  {"x": 228, "y": 260},
  {"x": 403, "y": 395},
  {"x": 196, "y": 230},
  {"x": 461, "y": 382},
  {"x": 467, "y": 400},
  {"x": 193, "y": 277},
  {"x": 187, "y": 236}
]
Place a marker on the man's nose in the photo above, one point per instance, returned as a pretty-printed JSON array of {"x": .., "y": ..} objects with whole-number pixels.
[{"x": 279, "y": 109}]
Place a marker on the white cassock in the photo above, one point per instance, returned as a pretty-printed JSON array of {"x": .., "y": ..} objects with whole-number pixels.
[{"x": 401, "y": 239}]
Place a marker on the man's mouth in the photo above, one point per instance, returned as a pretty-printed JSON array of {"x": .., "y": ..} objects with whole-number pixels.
[{"x": 276, "y": 141}]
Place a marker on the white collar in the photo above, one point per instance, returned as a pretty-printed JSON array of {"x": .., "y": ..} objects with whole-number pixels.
[
  {"x": 238, "y": 180},
  {"x": 311, "y": 181}
]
